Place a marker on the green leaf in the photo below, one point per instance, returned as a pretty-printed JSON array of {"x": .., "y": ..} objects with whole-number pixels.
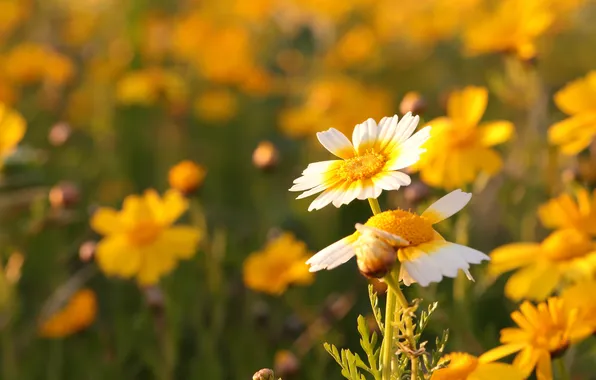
[{"x": 374, "y": 303}]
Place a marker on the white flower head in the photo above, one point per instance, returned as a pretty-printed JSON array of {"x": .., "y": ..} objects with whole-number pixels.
[{"x": 369, "y": 164}]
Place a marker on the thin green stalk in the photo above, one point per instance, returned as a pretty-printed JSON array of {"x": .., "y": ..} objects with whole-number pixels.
[
  {"x": 374, "y": 205},
  {"x": 387, "y": 354},
  {"x": 562, "y": 369}
]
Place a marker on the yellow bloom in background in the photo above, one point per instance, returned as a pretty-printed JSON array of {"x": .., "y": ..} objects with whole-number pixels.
[
  {"x": 218, "y": 105},
  {"x": 511, "y": 26},
  {"x": 565, "y": 255},
  {"x": 338, "y": 102},
  {"x": 424, "y": 255},
  {"x": 279, "y": 265},
  {"x": 30, "y": 63},
  {"x": 186, "y": 176},
  {"x": 357, "y": 46},
  {"x": 140, "y": 240},
  {"x": 12, "y": 13},
  {"x": 582, "y": 296},
  {"x": 565, "y": 212},
  {"x": 148, "y": 86},
  {"x": 544, "y": 330},
  {"x": 464, "y": 366},
  {"x": 78, "y": 314},
  {"x": 458, "y": 148},
  {"x": 578, "y": 100},
  {"x": 369, "y": 164},
  {"x": 12, "y": 130}
]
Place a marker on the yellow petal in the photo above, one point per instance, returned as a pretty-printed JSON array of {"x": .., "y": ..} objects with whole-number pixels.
[
  {"x": 12, "y": 129},
  {"x": 169, "y": 208},
  {"x": 496, "y": 371},
  {"x": 158, "y": 260},
  {"x": 544, "y": 370},
  {"x": 500, "y": 352},
  {"x": 467, "y": 106},
  {"x": 106, "y": 221},
  {"x": 511, "y": 256},
  {"x": 578, "y": 96},
  {"x": 489, "y": 161},
  {"x": 535, "y": 282},
  {"x": 181, "y": 240},
  {"x": 574, "y": 133},
  {"x": 116, "y": 257},
  {"x": 526, "y": 360},
  {"x": 134, "y": 211},
  {"x": 496, "y": 132}
]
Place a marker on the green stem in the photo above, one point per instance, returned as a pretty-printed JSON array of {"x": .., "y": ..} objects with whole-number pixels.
[
  {"x": 387, "y": 354},
  {"x": 409, "y": 333},
  {"x": 562, "y": 369},
  {"x": 374, "y": 205}
]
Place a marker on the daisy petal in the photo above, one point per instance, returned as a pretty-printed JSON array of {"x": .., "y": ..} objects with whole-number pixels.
[
  {"x": 364, "y": 136},
  {"x": 333, "y": 255},
  {"x": 447, "y": 206},
  {"x": 337, "y": 143},
  {"x": 391, "y": 180}
]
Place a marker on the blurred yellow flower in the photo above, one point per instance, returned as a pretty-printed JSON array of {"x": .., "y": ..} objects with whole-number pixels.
[
  {"x": 186, "y": 176},
  {"x": 564, "y": 212},
  {"x": 464, "y": 366},
  {"x": 218, "y": 105},
  {"x": 458, "y": 149},
  {"x": 148, "y": 86},
  {"x": 578, "y": 100},
  {"x": 357, "y": 46},
  {"x": 544, "y": 330},
  {"x": 369, "y": 164},
  {"x": 280, "y": 264},
  {"x": 12, "y": 130},
  {"x": 29, "y": 63},
  {"x": 509, "y": 26},
  {"x": 334, "y": 102},
  {"x": 140, "y": 240},
  {"x": 565, "y": 255},
  {"x": 582, "y": 296},
  {"x": 424, "y": 255},
  {"x": 12, "y": 13},
  {"x": 78, "y": 314}
]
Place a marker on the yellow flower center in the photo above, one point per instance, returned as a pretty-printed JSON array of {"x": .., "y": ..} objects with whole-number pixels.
[
  {"x": 144, "y": 233},
  {"x": 461, "y": 365},
  {"x": 361, "y": 167},
  {"x": 463, "y": 137},
  {"x": 412, "y": 227},
  {"x": 566, "y": 245},
  {"x": 550, "y": 337}
]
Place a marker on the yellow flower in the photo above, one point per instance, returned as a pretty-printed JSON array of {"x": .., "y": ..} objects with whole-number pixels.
[
  {"x": 564, "y": 212},
  {"x": 565, "y": 255},
  {"x": 148, "y": 86},
  {"x": 12, "y": 13},
  {"x": 544, "y": 330},
  {"x": 12, "y": 130},
  {"x": 367, "y": 167},
  {"x": 581, "y": 296},
  {"x": 140, "y": 240},
  {"x": 464, "y": 366},
  {"x": 278, "y": 265},
  {"x": 78, "y": 314},
  {"x": 355, "y": 47},
  {"x": 337, "y": 102},
  {"x": 216, "y": 105},
  {"x": 458, "y": 148},
  {"x": 186, "y": 176},
  {"x": 29, "y": 63},
  {"x": 513, "y": 26},
  {"x": 424, "y": 255},
  {"x": 578, "y": 100}
]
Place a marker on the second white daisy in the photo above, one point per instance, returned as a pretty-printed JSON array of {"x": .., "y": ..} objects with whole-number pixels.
[
  {"x": 369, "y": 164},
  {"x": 424, "y": 255}
]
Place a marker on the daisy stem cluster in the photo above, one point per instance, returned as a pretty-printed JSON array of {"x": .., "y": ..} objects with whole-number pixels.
[{"x": 395, "y": 300}]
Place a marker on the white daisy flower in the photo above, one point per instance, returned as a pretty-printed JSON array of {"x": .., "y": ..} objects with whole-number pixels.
[
  {"x": 424, "y": 255},
  {"x": 367, "y": 167}
]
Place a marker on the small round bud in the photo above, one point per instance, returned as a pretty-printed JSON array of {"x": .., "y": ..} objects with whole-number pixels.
[
  {"x": 265, "y": 156},
  {"x": 186, "y": 177},
  {"x": 63, "y": 195},
  {"x": 380, "y": 287},
  {"x": 286, "y": 364},
  {"x": 87, "y": 251},
  {"x": 417, "y": 192},
  {"x": 412, "y": 102},
  {"x": 59, "y": 134},
  {"x": 374, "y": 256},
  {"x": 264, "y": 374}
]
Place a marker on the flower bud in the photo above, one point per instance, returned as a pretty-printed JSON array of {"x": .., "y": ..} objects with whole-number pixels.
[
  {"x": 379, "y": 287},
  {"x": 186, "y": 177},
  {"x": 59, "y": 134},
  {"x": 264, "y": 374},
  {"x": 286, "y": 364},
  {"x": 374, "y": 256},
  {"x": 412, "y": 102},
  {"x": 63, "y": 195},
  {"x": 265, "y": 156},
  {"x": 87, "y": 251}
]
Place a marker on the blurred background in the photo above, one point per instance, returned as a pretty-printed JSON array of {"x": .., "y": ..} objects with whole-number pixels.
[{"x": 221, "y": 100}]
